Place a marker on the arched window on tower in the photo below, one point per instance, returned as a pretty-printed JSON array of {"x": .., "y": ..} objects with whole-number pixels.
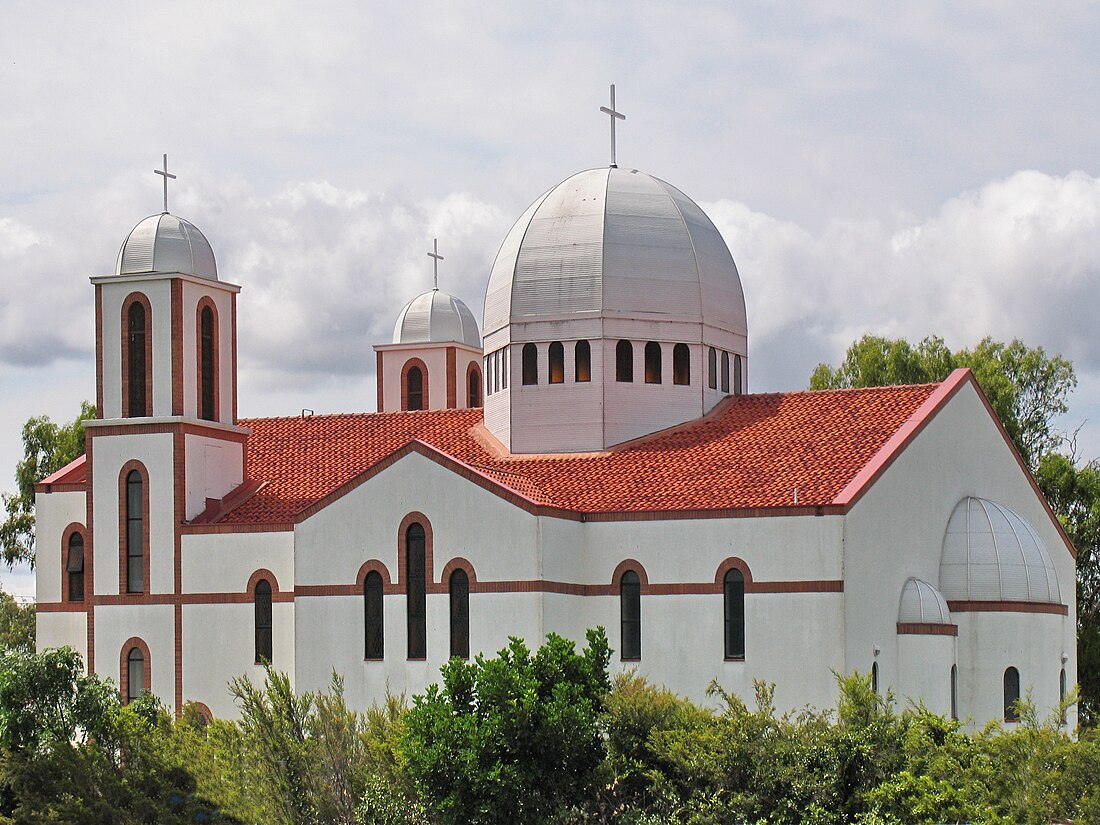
[
  {"x": 135, "y": 532},
  {"x": 681, "y": 364},
  {"x": 557, "y": 363},
  {"x": 261, "y": 597},
  {"x": 530, "y": 364},
  {"x": 207, "y": 364},
  {"x": 137, "y": 391},
  {"x": 415, "y": 591},
  {"x": 725, "y": 371},
  {"x": 459, "y": 588},
  {"x": 74, "y": 566},
  {"x": 374, "y": 629},
  {"x": 624, "y": 362},
  {"x": 473, "y": 388},
  {"x": 582, "y": 362},
  {"x": 630, "y": 615},
  {"x": 1012, "y": 695},
  {"x": 414, "y": 389},
  {"x": 738, "y": 381},
  {"x": 135, "y": 673},
  {"x": 712, "y": 368},
  {"x": 653, "y": 363},
  {"x": 733, "y": 599}
]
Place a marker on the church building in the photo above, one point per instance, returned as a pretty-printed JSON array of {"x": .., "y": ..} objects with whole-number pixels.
[{"x": 592, "y": 455}]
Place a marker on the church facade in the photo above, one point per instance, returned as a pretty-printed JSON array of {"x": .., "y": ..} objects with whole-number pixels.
[{"x": 590, "y": 456}]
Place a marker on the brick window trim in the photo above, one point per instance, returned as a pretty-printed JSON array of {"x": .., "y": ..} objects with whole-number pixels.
[
  {"x": 429, "y": 565},
  {"x": 414, "y": 362},
  {"x": 259, "y": 574},
  {"x": 733, "y": 563},
  {"x": 123, "y": 547},
  {"x": 66, "y": 534},
  {"x": 131, "y": 299},
  {"x": 124, "y": 670},
  {"x": 623, "y": 567},
  {"x": 458, "y": 563},
  {"x": 204, "y": 302}
]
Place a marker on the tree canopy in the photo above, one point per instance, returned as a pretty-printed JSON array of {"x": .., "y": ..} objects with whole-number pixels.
[{"x": 47, "y": 447}]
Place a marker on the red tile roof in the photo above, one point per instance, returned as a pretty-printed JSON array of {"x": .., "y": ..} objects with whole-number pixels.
[{"x": 752, "y": 452}]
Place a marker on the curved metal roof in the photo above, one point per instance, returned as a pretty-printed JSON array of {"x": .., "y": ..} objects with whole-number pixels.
[
  {"x": 166, "y": 243},
  {"x": 991, "y": 553},
  {"x": 921, "y": 603},
  {"x": 436, "y": 316},
  {"x": 617, "y": 242}
]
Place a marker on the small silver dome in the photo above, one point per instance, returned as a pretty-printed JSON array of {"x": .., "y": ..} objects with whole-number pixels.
[
  {"x": 921, "y": 603},
  {"x": 991, "y": 553},
  {"x": 615, "y": 243},
  {"x": 165, "y": 243},
  {"x": 436, "y": 316}
]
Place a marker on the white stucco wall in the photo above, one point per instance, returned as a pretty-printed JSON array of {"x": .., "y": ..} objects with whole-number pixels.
[
  {"x": 53, "y": 513},
  {"x": 114, "y": 291},
  {"x": 213, "y": 468},
  {"x": 115, "y": 624},
  {"x": 60, "y": 629}
]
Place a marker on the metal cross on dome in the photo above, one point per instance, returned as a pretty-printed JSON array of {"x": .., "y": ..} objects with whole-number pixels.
[
  {"x": 437, "y": 258},
  {"x": 614, "y": 116},
  {"x": 164, "y": 174}
]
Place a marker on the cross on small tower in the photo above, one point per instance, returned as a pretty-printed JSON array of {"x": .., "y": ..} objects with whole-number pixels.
[
  {"x": 614, "y": 116},
  {"x": 437, "y": 258},
  {"x": 164, "y": 174}
]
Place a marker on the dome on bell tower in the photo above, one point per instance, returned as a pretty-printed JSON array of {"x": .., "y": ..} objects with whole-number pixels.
[
  {"x": 436, "y": 316},
  {"x": 166, "y": 243}
]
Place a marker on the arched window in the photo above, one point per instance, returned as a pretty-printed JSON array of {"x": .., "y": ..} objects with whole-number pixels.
[
  {"x": 502, "y": 369},
  {"x": 374, "y": 636},
  {"x": 681, "y": 364},
  {"x": 135, "y": 532},
  {"x": 874, "y": 676},
  {"x": 460, "y": 614},
  {"x": 630, "y": 613},
  {"x": 137, "y": 391},
  {"x": 74, "y": 566},
  {"x": 489, "y": 364},
  {"x": 1062, "y": 695},
  {"x": 624, "y": 362},
  {"x": 414, "y": 389},
  {"x": 582, "y": 362},
  {"x": 725, "y": 371},
  {"x": 207, "y": 364},
  {"x": 530, "y": 364},
  {"x": 738, "y": 384},
  {"x": 954, "y": 692},
  {"x": 1012, "y": 695},
  {"x": 473, "y": 388},
  {"x": 557, "y": 363},
  {"x": 415, "y": 591},
  {"x": 261, "y": 596},
  {"x": 733, "y": 598},
  {"x": 712, "y": 368},
  {"x": 135, "y": 673},
  {"x": 653, "y": 363}
]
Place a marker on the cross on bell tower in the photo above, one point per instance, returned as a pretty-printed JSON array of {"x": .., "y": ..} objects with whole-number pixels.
[
  {"x": 164, "y": 174},
  {"x": 614, "y": 116},
  {"x": 435, "y": 263}
]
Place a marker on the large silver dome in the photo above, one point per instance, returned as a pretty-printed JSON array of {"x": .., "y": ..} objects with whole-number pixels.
[
  {"x": 615, "y": 243},
  {"x": 991, "y": 553},
  {"x": 436, "y": 316},
  {"x": 165, "y": 243}
]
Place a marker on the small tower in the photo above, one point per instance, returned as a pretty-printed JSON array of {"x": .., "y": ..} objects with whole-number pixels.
[{"x": 434, "y": 362}]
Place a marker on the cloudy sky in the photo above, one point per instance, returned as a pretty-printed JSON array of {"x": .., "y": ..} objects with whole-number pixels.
[{"x": 875, "y": 168}]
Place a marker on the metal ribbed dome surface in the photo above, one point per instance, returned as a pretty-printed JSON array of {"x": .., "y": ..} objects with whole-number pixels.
[
  {"x": 165, "y": 243},
  {"x": 991, "y": 553},
  {"x": 436, "y": 316},
  {"x": 615, "y": 242},
  {"x": 921, "y": 603}
]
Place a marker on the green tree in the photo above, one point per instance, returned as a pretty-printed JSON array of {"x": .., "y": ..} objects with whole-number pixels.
[
  {"x": 17, "y": 624},
  {"x": 514, "y": 738},
  {"x": 1027, "y": 388},
  {"x": 47, "y": 447}
]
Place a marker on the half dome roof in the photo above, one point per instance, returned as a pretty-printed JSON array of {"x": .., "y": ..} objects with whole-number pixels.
[
  {"x": 991, "y": 553},
  {"x": 436, "y": 316},
  {"x": 921, "y": 603},
  {"x": 166, "y": 243},
  {"x": 615, "y": 243}
]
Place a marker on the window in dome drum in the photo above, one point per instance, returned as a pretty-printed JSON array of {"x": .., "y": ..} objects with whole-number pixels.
[
  {"x": 681, "y": 365},
  {"x": 624, "y": 362},
  {"x": 738, "y": 385},
  {"x": 582, "y": 362},
  {"x": 556, "y": 357},
  {"x": 530, "y": 364},
  {"x": 725, "y": 372},
  {"x": 653, "y": 363},
  {"x": 1012, "y": 695},
  {"x": 712, "y": 368}
]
